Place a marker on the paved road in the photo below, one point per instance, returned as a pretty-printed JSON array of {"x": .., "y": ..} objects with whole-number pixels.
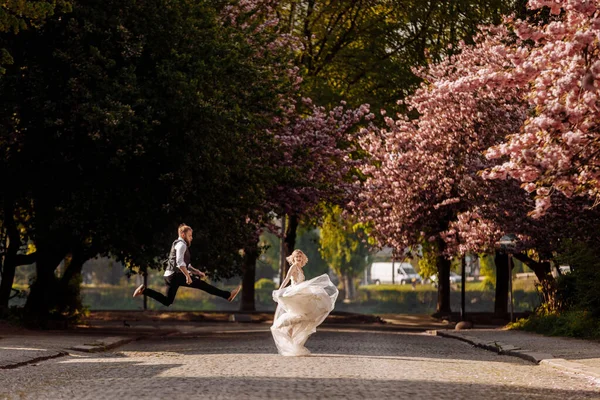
[{"x": 346, "y": 364}]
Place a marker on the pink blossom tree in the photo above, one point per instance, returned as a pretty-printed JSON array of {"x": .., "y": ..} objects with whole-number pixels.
[
  {"x": 424, "y": 172},
  {"x": 318, "y": 156},
  {"x": 425, "y": 181},
  {"x": 557, "y": 148},
  {"x": 312, "y": 156}
]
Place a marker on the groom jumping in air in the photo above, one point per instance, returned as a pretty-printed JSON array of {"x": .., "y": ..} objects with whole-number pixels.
[{"x": 179, "y": 270}]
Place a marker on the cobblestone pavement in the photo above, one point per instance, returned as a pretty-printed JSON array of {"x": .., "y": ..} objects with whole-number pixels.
[{"x": 345, "y": 364}]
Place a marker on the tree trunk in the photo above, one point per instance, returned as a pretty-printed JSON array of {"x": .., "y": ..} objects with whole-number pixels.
[
  {"x": 443, "y": 301},
  {"x": 51, "y": 251},
  {"x": 541, "y": 269},
  {"x": 73, "y": 270},
  {"x": 289, "y": 240},
  {"x": 348, "y": 287},
  {"x": 10, "y": 258},
  {"x": 501, "y": 302},
  {"x": 282, "y": 260},
  {"x": 249, "y": 274},
  {"x": 542, "y": 272},
  {"x": 69, "y": 287}
]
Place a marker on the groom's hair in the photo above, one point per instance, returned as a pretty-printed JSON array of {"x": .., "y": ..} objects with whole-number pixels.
[{"x": 183, "y": 228}]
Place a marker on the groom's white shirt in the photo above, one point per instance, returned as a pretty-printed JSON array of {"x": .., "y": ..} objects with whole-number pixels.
[{"x": 180, "y": 248}]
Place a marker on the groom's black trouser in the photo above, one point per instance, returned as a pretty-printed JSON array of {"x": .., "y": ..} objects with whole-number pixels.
[{"x": 176, "y": 280}]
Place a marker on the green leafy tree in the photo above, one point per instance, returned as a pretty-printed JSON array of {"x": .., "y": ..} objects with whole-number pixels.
[
  {"x": 123, "y": 119},
  {"x": 344, "y": 247},
  {"x": 18, "y": 15},
  {"x": 309, "y": 240},
  {"x": 363, "y": 51},
  {"x": 488, "y": 269}
]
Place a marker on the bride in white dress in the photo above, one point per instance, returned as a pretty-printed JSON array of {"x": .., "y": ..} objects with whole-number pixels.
[{"x": 301, "y": 307}]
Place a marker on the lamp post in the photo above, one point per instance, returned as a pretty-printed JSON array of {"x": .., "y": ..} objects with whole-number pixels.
[
  {"x": 508, "y": 244},
  {"x": 462, "y": 288}
]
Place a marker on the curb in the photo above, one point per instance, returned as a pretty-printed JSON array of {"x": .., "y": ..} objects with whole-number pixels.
[
  {"x": 543, "y": 359},
  {"x": 111, "y": 342},
  {"x": 100, "y": 345},
  {"x": 34, "y": 360},
  {"x": 104, "y": 344}
]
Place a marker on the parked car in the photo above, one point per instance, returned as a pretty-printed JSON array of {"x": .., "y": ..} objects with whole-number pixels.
[
  {"x": 397, "y": 273},
  {"x": 454, "y": 278}
]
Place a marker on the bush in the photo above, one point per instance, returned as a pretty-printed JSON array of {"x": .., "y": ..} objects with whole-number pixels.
[
  {"x": 579, "y": 324},
  {"x": 577, "y": 311},
  {"x": 264, "y": 284},
  {"x": 579, "y": 289}
]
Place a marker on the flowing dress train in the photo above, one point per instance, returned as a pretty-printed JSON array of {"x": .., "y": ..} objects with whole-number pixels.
[{"x": 301, "y": 307}]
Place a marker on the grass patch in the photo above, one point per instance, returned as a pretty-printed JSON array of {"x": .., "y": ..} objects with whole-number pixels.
[
  {"x": 577, "y": 324},
  {"x": 397, "y": 288},
  {"x": 525, "y": 285}
]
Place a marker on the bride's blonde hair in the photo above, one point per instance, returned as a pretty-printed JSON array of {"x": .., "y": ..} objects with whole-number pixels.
[{"x": 303, "y": 258}]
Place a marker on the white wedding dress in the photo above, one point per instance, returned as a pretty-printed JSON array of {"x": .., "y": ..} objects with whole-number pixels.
[{"x": 301, "y": 307}]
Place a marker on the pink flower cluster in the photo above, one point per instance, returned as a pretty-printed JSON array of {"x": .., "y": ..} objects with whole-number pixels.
[
  {"x": 317, "y": 154},
  {"x": 557, "y": 147},
  {"x": 313, "y": 147},
  {"x": 509, "y": 111}
]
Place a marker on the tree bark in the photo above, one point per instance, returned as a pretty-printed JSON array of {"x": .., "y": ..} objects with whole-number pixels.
[
  {"x": 547, "y": 283},
  {"x": 289, "y": 240},
  {"x": 249, "y": 274},
  {"x": 443, "y": 301},
  {"x": 348, "y": 287},
  {"x": 44, "y": 290},
  {"x": 443, "y": 267},
  {"x": 52, "y": 248},
  {"x": 10, "y": 258},
  {"x": 501, "y": 302},
  {"x": 73, "y": 270},
  {"x": 541, "y": 269},
  {"x": 69, "y": 287},
  {"x": 282, "y": 260}
]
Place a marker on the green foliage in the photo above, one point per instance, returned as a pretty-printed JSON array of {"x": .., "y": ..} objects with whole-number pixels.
[
  {"x": 309, "y": 241},
  {"x": 575, "y": 311},
  {"x": 342, "y": 245},
  {"x": 428, "y": 263},
  {"x": 579, "y": 289},
  {"x": 123, "y": 119},
  {"x": 139, "y": 116},
  {"x": 364, "y": 51},
  {"x": 403, "y": 299},
  {"x": 488, "y": 269},
  {"x": 18, "y": 15},
  {"x": 264, "y": 284},
  {"x": 578, "y": 324}
]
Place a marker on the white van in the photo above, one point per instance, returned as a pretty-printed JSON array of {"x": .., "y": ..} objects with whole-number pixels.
[{"x": 402, "y": 272}]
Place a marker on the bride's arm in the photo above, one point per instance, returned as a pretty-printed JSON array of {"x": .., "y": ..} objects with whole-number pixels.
[{"x": 287, "y": 277}]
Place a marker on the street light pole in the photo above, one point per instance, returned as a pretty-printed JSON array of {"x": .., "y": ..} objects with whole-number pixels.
[
  {"x": 462, "y": 288},
  {"x": 508, "y": 245},
  {"x": 510, "y": 287}
]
